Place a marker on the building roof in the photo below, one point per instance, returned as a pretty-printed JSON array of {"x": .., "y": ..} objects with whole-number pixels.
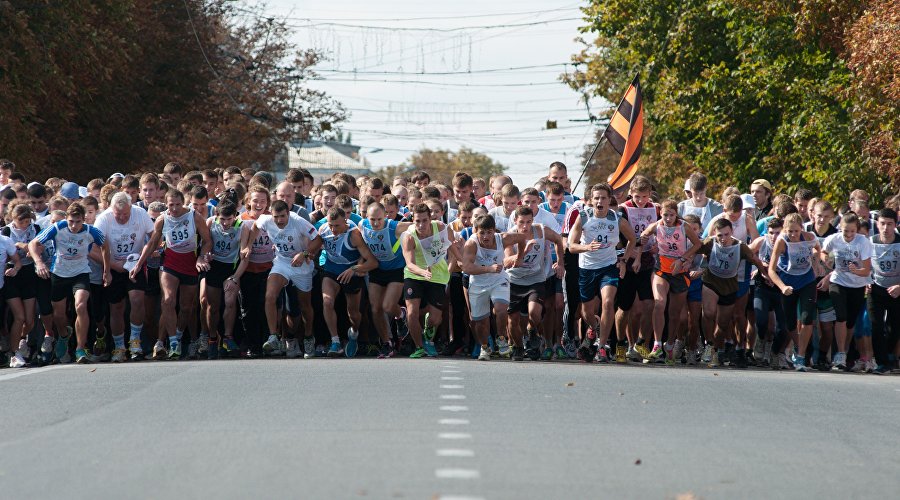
[{"x": 322, "y": 158}]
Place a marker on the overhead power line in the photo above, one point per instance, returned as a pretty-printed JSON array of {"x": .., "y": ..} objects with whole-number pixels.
[
  {"x": 404, "y": 19},
  {"x": 433, "y": 30},
  {"x": 469, "y": 72},
  {"x": 446, "y": 84}
]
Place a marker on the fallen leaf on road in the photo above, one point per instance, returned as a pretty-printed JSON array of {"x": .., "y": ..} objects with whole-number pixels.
[
  {"x": 637, "y": 462},
  {"x": 621, "y": 394},
  {"x": 570, "y": 384},
  {"x": 686, "y": 496},
  {"x": 715, "y": 374},
  {"x": 93, "y": 370}
]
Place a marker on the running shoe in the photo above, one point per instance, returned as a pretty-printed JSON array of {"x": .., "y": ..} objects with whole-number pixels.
[
  {"x": 560, "y": 352},
  {"x": 62, "y": 350},
  {"x": 81, "y": 357},
  {"x": 871, "y": 365},
  {"x": 212, "y": 351},
  {"x": 418, "y": 353},
  {"x": 728, "y": 358},
  {"x": 430, "y": 350},
  {"x": 271, "y": 344},
  {"x": 137, "y": 352},
  {"x": 518, "y": 353},
  {"x": 714, "y": 360},
  {"x": 16, "y": 361},
  {"x": 642, "y": 351},
  {"x": 203, "y": 343},
  {"x": 402, "y": 325},
  {"x": 24, "y": 351},
  {"x": 309, "y": 347},
  {"x": 740, "y": 359},
  {"x": 386, "y": 351},
  {"x": 485, "y": 354},
  {"x": 503, "y": 347},
  {"x": 707, "y": 353},
  {"x": 320, "y": 351},
  {"x": 352, "y": 345},
  {"x": 4, "y": 343},
  {"x": 194, "y": 349},
  {"x": 690, "y": 357},
  {"x": 633, "y": 355},
  {"x": 677, "y": 352},
  {"x": 657, "y": 355},
  {"x": 292, "y": 349},
  {"x": 839, "y": 362},
  {"x": 571, "y": 349},
  {"x": 782, "y": 363},
  {"x": 602, "y": 355},
  {"x": 759, "y": 349},
  {"x": 118, "y": 356},
  {"x": 585, "y": 353},
  {"x": 174, "y": 351},
  {"x": 547, "y": 355},
  {"x": 230, "y": 347},
  {"x": 859, "y": 366},
  {"x": 452, "y": 348},
  {"x": 621, "y": 353},
  {"x": 98, "y": 351},
  {"x": 372, "y": 350},
  {"x": 47, "y": 345},
  {"x": 159, "y": 351},
  {"x": 800, "y": 364},
  {"x": 881, "y": 370},
  {"x": 335, "y": 350}
]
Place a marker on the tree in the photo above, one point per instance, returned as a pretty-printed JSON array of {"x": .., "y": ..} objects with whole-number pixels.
[
  {"x": 92, "y": 87},
  {"x": 442, "y": 164},
  {"x": 739, "y": 90}
]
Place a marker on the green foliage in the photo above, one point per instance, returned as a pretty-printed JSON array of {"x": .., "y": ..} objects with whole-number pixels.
[
  {"x": 732, "y": 88},
  {"x": 442, "y": 164}
]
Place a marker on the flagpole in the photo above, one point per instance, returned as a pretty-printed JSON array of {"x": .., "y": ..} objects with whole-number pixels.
[{"x": 603, "y": 136}]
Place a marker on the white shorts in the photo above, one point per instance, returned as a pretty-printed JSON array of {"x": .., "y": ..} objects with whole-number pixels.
[
  {"x": 480, "y": 299},
  {"x": 300, "y": 276}
]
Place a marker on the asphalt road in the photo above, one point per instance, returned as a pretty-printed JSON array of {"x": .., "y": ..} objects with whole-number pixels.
[{"x": 422, "y": 429}]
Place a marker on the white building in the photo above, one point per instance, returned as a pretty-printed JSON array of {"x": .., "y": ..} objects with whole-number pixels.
[{"x": 324, "y": 158}]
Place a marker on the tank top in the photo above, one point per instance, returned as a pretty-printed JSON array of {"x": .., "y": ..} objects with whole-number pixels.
[
  {"x": 561, "y": 215},
  {"x": 22, "y": 236},
  {"x": 533, "y": 268},
  {"x": 226, "y": 241},
  {"x": 488, "y": 257},
  {"x": 262, "y": 252},
  {"x": 704, "y": 213},
  {"x": 340, "y": 254},
  {"x": 795, "y": 264},
  {"x": 723, "y": 261},
  {"x": 671, "y": 240},
  {"x": 601, "y": 229},
  {"x": 886, "y": 261},
  {"x": 180, "y": 233},
  {"x": 384, "y": 244},
  {"x": 431, "y": 252},
  {"x": 640, "y": 219},
  {"x": 765, "y": 255}
]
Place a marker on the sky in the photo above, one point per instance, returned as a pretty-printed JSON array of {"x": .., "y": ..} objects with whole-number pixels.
[{"x": 482, "y": 74}]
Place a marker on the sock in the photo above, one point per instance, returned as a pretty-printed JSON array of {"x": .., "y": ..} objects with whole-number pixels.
[
  {"x": 136, "y": 331},
  {"x": 178, "y": 334},
  {"x": 335, "y": 338},
  {"x": 353, "y": 333},
  {"x": 48, "y": 333},
  {"x": 119, "y": 341},
  {"x": 656, "y": 344},
  {"x": 174, "y": 339}
]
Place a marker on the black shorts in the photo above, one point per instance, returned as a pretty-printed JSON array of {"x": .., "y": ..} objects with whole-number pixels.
[
  {"x": 153, "y": 289},
  {"x": 23, "y": 285},
  {"x": 63, "y": 288},
  {"x": 183, "y": 279},
  {"x": 678, "y": 283},
  {"x": 724, "y": 300},
  {"x": 553, "y": 285},
  {"x": 430, "y": 293},
  {"x": 218, "y": 273},
  {"x": 384, "y": 277},
  {"x": 634, "y": 284},
  {"x": 355, "y": 284},
  {"x": 122, "y": 284},
  {"x": 521, "y": 295},
  {"x": 44, "y": 306}
]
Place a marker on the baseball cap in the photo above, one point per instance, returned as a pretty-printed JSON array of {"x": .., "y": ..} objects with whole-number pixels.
[
  {"x": 69, "y": 190},
  {"x": 117, "y": 175},
  {"x": 748, "y": 200},
  {"x": 762, "y": 182},
  {"x": 687, "y": 185}
]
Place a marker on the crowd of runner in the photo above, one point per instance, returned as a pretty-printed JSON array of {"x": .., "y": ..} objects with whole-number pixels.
[{"x": 232, "y": 263}]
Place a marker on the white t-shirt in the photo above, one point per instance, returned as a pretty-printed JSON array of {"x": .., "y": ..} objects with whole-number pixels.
[
  {"x": 125, "y": 239},
  {"x": 290, "y": 240},
  {"x": 546, "y": 219},
  {"x": 845, "y": 253},
  {"x": 501, "y": 219},
  {"x": 7, "y": 249}
]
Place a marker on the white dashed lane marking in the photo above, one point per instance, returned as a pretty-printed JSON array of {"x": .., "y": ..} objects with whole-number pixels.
[
  {"x": 455, "y": 452},
  {"x": 451, "y": 372},
  {"x": 454, "y": 408},
  {"x": 453, "y": 421},
  {"x": 452, "y": 386},
  {"x": 452, "y": 396},
  {"x": 451, "y": 378},
  {"x": 454, "y": 435},
  {"x": 457, "y": 474}
]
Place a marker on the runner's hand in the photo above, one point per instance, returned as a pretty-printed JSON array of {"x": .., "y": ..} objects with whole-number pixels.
[
  {"x": 42, "y": 271},
  {"x": 559, "y": 270},
  {"x": 346, "y": 276},
  {"x": 107, "y": 278},
  {"x": 787, "y": 291},
  {"x": 11, "y": 272},
  {"x": 299, "y": 259},
  {"x": 636, "y": 267}
]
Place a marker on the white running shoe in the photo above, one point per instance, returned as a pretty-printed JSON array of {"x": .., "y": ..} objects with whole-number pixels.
[
  {"x": 485, "y": 355},
  {"x": 859, "y": 366},
  {"x": 309, "y": 347},
  {"x": 134, "y": 345},
  {"x": 759, "y": 349},
  {"x": 16, "y": 361},
  {"x": 271, "y": 344},
  {"x": 691, "y": 357},
  {"x": 707, "y": 353},
  {"x": 839, "y": 362},
  {"x": 871, "y": 365},
  {"x": 159, "y": 351},
  {"x": 24, "y": 351},
  {"x": 783, "y": 363},
  {"x": 633, "y": 355},
  {"x": 47, "y": 345},
  {"x": 502, "y": 347},
  {"x": 293, "y": 348},
  {"x": 118, "y": 356}
]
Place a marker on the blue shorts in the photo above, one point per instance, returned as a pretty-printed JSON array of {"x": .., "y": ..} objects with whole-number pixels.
[
  {"x": 695, "y": 291},
  {"x": 591, "y": 281},
  {"x": 743, "y": 288}
]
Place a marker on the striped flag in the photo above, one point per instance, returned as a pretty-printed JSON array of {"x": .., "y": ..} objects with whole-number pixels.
[{"x": 625, "y": 134}]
